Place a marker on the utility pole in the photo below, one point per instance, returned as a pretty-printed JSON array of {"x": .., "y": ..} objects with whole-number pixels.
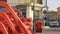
[
  {"x": 46, "y": 10},
  {"x": 33, "y": 14},
  {"x": 33, "y": 5},
  {"x": 46, "y": 6}
]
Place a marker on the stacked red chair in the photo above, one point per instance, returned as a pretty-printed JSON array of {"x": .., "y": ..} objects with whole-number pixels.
[
  {"x": 3, "y": 29},
  {"x": 10, "y": 23},
  {"x": 27, "y": 21}
]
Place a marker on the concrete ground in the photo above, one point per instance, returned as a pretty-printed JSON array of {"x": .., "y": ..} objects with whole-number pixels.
[{"x": 48, "y": 30}]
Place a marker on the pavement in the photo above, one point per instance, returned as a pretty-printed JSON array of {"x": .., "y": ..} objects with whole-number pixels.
[{"x": 48, "y": 30}]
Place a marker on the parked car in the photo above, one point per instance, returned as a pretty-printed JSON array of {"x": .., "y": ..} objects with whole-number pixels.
[
  {"x": 59, "y": 22},
  {"x": 53, "y": 23}
]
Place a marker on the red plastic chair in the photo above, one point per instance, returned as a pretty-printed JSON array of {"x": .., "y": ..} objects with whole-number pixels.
[
  {"x": 7, "y": 22},
  {"x": 27, "y": 21},
  {"x": 3, "y": 29},
  {"x": 15, "y": 19}
]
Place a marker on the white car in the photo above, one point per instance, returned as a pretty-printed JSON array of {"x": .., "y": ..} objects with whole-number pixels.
[{"x": 53, "y": 23}]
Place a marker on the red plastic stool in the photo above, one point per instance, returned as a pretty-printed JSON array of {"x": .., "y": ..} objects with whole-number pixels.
[{"x": 39, "y": 26}]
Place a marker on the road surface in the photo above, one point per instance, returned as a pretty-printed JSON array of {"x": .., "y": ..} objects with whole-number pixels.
[{"x": 50, "y": 31}]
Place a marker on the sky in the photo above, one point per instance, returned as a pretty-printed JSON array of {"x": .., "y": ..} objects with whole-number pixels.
[{"x": 53, "y": 4}]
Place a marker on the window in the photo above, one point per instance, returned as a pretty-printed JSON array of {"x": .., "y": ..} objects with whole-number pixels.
[
  {"x": 36, "y": 13},
  {"x": 3, "y": 9},
  {"x": 23, "y": 11},
  {"x": 36, "y": 16},
  {"x": 36, "y": 1},
  {"x": 39, "y": 1}
]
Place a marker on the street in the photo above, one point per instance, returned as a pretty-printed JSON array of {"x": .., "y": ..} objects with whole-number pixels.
[{"x": 50, "y": 31}]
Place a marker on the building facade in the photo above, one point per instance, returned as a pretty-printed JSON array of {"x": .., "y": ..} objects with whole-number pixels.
[
  {"x": 58, "y": 13},
  {"x": 26, "y": 7},
  {"x": 51, "y": 14}
]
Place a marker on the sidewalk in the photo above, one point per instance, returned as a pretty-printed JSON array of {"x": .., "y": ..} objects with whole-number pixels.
[{"x": 51, "y": 28}]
